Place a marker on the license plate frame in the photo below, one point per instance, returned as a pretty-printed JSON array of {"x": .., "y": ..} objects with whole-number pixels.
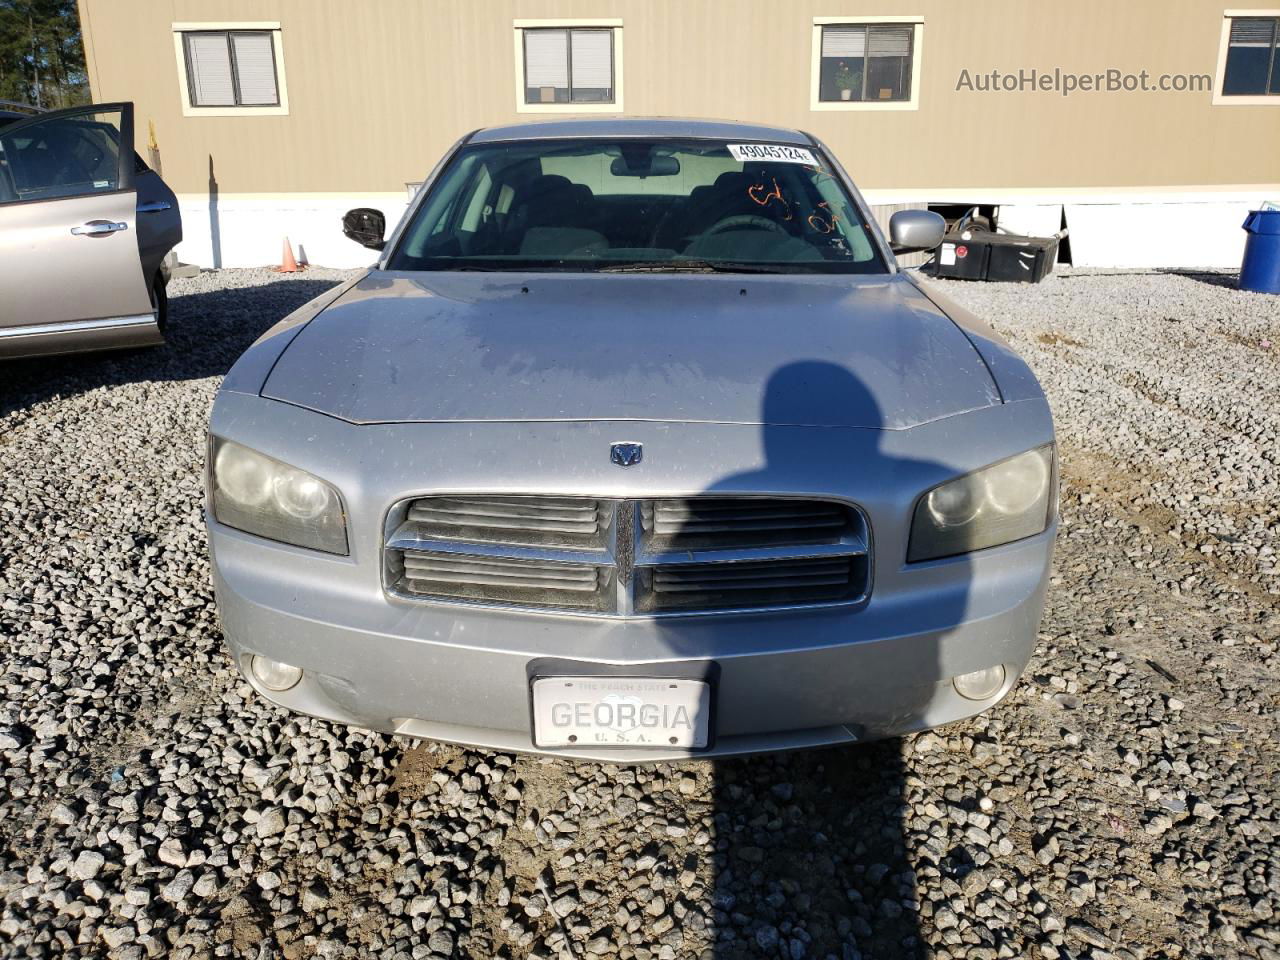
[{"x": 634, "y": 712}]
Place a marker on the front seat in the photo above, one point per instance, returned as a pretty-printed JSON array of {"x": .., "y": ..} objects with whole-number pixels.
[{"x": 548, "y": 217}]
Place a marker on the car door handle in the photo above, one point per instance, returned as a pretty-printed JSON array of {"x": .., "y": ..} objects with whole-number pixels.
[
  {"x": 96, "y": 228},
  {"x": 154, "y": 206}
]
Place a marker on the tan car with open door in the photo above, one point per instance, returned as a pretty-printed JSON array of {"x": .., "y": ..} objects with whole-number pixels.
[{"x": 85, "y": 227}]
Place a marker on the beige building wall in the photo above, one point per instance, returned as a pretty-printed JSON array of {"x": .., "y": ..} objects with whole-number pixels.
[{"x": 377, "y": 90}]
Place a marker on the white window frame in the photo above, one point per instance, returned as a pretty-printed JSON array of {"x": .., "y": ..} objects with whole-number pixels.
[
  {"x": 277, "y": 46},
  {"x": 1219, "y": 74},
  {"x": 815, "y": 64},
  {"x": 614, "y": 24}
]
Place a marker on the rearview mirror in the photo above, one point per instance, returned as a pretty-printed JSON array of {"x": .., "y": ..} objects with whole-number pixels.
[
  {"x": 366, "y": 227},
  {"x": 913, "y": 230},
  {"x": 660, "y": 166}
]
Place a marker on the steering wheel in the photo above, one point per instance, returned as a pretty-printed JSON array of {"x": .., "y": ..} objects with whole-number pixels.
[
  {"x": 659, "y": 233},
  {"x": 746, "y": 221}
]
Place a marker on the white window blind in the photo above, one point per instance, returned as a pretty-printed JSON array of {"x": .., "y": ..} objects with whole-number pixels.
[
  {"x": 889, "y": 42},
  {"x": 255, "y": 68},
  {"x": 229, "y": 69},
  {"x": 209, "y": 63},
  {"x": 592, "y": 59},
  {"x": 546, "y": 58},
  {"x": 844, "y": 41},
  {"x": 1251, "y": 32}
]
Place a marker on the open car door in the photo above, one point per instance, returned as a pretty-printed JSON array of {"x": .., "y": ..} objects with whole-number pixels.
[{"x": 70, "y": 273}]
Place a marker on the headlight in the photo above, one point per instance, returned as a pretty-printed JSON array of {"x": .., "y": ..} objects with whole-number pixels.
[
  {"x": 1006, "y": 501},
  {"x": 259, "y": 495}
]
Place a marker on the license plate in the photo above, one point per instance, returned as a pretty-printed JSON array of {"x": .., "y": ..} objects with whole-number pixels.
[{"x": 620, "y": 712}]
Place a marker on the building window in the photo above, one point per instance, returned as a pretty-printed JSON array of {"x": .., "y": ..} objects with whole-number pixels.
[
  {"x": 1252, "y": 65},
  {"x": 226, "y": 69},
  {"x": 568, "y": 66},
  {"x": 230, "y": 69},
  {"x": 564, "y": 65},
  {"x": 866, "y": 63}
]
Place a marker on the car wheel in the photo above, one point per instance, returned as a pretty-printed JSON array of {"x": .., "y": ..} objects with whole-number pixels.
[{"x": 160, "y": 302}]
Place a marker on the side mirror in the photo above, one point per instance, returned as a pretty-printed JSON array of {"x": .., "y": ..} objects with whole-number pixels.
[
  {"x": 912, "y": 230},
  {"x": 366, "y": 227}
]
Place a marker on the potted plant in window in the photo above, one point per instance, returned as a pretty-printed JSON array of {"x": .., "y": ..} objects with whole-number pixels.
[{"x": 846, "y": 80}]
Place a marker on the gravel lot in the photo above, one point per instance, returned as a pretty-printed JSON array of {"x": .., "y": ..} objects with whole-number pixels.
[{"x": 1122, "y": 803}]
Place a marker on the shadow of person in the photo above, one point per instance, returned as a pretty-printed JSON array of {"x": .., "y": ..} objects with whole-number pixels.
[{"x": 811, "y": 855}]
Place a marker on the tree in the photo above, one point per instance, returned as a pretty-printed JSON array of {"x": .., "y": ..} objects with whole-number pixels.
[{"x": 42, "y": 54}]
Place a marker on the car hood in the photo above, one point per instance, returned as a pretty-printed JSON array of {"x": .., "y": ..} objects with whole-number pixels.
[{"x": 810, "y": 350}]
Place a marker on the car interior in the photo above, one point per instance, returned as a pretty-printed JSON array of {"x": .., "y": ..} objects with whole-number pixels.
[{"x": 59, "y": 157}]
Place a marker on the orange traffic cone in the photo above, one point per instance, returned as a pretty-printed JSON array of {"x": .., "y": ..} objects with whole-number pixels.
[{"x": 287, "y": 263}]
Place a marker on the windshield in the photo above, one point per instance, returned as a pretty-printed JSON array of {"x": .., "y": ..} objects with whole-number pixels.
[{"x": 638, "y": 205}]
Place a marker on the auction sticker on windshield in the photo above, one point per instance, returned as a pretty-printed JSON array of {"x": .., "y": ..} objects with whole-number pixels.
[
  {"x": 771, "y": 151},
  {"x": 620, "y": 712}
]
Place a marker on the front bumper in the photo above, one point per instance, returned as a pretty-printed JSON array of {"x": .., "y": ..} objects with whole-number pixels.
[{"x": 784, "y": 679}]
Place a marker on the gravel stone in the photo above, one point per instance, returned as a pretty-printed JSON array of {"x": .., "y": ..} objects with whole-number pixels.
[
  {"x": 88, "y": 863},
  {"x": 63, "y": 815},
  {"x": 176, "y": 890},
  {"x": 441, "y": 943},
  {"x": 271, "y": 822},
  {"x": 172, "y": 853},
  {"x": 118, "y": 936},
  {"x": 316, "y": 897}
]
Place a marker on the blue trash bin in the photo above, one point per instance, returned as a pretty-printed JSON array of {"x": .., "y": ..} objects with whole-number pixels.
[{"x": 1260, "y": 270}]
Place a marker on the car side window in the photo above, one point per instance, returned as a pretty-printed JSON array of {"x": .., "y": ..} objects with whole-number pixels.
[{"x": 60, "y": 157}]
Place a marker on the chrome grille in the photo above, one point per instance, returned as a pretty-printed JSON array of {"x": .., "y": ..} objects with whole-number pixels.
[
  {"x": 536, "y": 520},
  {"x": 503, "y": 579},
  {"x": 629, "y": 557},
  {"x": 765, "y": 582},
  {"x": 735, "y": 521}
]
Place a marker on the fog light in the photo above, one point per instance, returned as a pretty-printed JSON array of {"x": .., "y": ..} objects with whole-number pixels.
[
  {"x": 981, "y": 684},
  {"x": 274, "y": 675}
]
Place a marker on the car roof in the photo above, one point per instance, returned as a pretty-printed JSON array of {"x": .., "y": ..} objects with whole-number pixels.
[
  {"x": 23, "y": 111},
  {"x": 641, "y": 127}
]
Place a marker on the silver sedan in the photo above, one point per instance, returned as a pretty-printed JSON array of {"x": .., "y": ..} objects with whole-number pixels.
[
  {"x": 635, "y": 444},
  {"x": 85, "y": 226}
]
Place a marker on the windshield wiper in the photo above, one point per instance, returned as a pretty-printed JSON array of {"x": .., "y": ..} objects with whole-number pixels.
[
  {"x": 688, "y": 266},
  {"x": 478, "y": 265}
]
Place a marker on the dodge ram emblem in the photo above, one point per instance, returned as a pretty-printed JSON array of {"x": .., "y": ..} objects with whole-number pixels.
[{"x": 626, "y": 454}]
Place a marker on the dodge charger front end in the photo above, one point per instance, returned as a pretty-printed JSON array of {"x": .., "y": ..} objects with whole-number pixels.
[{"x": 635, "y": 444}]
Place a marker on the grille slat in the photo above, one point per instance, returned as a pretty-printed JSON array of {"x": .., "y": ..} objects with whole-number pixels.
[
  {"x": 746, "y": 575},
  {"x": 666, "y": 510},
  {"x": 776, "y": 582},
  {"x": 447, "y": 562},
  {"x": 734, "y": 525},
  {"x": 690, "y": 555}
]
